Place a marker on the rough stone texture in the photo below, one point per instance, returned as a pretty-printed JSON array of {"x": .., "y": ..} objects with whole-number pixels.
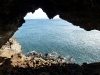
[
  {"x": 17, "y": 66},
  {"x": 83, "y": 13},
  {"x": 13, "y": 62},
  {"x": 10, "y": 48}
]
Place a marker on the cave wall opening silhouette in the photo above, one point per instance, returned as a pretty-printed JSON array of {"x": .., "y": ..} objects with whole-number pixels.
[{"x": 82, "y": 13}]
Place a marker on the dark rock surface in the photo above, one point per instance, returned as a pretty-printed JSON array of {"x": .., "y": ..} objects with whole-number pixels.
[{"x": 55, "y": 69}]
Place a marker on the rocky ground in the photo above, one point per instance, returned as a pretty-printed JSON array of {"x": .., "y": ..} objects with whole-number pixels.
[{"x": 13, "y": 62}]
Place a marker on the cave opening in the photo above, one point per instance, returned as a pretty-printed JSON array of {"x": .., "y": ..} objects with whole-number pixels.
[{"x": 40, "y": 34}]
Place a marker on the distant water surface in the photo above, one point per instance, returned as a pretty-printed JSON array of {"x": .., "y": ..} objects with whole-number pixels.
[{"x": 44, "y": 35}]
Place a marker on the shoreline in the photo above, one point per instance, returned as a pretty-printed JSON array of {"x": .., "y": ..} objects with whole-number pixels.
[{"x": 13, "y": 62}]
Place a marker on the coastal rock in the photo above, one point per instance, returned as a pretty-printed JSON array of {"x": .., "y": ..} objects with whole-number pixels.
[
  {"x": 33, "y": 54},
  {"x": 35, "y": 63},
  {"x": 47, "y": 56},
  {"x": 12, "y": 54},
  {"x": 10, "y": 48}
]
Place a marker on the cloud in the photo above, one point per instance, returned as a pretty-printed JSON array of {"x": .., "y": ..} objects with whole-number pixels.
[{"x": 38, "y": 14}]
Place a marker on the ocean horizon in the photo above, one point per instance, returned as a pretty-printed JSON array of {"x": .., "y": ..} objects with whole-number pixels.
[{"x": 60, "y": 36}]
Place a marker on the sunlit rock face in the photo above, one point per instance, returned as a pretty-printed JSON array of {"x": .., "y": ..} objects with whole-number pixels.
[
  {"x": 83, "y": 13},
  {"x": 10, "y": 48}
]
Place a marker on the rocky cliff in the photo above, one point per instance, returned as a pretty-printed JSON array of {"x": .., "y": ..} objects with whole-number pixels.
[
  {"x": 13, "y": 62},
  {"x": 10, "y": 48}
]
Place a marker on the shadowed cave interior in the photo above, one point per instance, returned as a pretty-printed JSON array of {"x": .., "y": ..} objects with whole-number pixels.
[{"x": 82, "y": 13}]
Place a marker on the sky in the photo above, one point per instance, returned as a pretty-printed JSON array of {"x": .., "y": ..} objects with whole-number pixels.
[{"x": 38, "y": 14}]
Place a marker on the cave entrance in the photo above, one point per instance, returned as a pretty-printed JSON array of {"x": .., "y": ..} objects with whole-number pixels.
[{"x": 40, "y": 34}]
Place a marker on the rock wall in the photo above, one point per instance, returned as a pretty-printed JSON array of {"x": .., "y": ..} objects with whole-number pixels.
[
  {"x": 10, "y": 48},
  {"x": 83, "y": 13}
]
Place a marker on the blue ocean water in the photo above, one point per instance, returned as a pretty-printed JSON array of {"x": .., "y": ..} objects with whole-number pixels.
[{"x": 44, "y": 35}]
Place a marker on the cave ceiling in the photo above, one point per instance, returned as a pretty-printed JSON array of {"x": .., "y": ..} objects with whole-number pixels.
[{"x": 83, "y": 13}]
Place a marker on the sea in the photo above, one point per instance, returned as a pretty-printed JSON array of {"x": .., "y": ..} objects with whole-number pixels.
[{"x": 61, "y": 37}]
